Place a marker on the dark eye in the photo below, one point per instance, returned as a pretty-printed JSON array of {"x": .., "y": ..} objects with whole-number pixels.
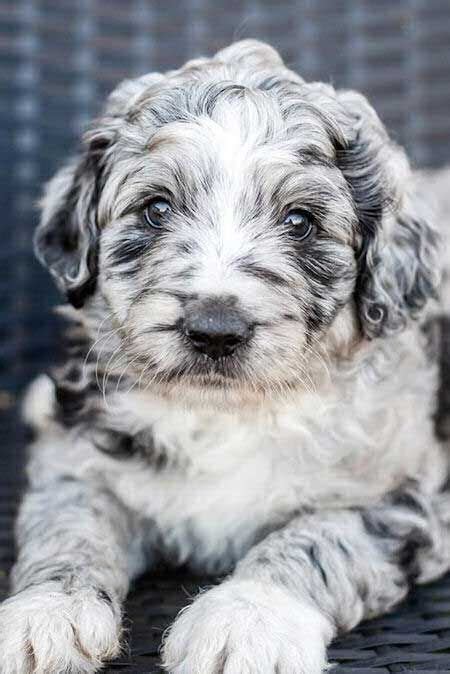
[
  {"x": 157, "y": 213},
  {"x": 300, "y": 222}
]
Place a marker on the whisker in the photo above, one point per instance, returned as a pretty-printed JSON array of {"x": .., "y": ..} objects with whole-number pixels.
[
  {"x": 100, "y": 353},
  {"x": 98, "y": 338}
]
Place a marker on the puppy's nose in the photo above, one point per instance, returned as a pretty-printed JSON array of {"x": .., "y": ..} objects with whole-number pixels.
[{"x": 215, "y": 327}]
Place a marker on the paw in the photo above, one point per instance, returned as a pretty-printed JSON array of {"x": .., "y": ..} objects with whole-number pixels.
[
  {"x": 242, "y": 627},
  {"x": 45, "y": 631}
]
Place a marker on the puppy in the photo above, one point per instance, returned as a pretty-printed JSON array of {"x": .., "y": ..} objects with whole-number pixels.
[{"x": 249, "y": 386}]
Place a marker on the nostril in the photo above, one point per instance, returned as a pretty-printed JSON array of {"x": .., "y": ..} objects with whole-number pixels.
[
  {"x": 198, "y": 338},
  {"x": 230, "y": 342}
]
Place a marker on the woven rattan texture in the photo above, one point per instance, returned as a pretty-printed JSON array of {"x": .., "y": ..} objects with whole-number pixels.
[{"x": 58, "y": 59}]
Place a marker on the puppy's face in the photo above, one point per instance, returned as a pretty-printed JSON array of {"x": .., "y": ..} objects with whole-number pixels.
[
  {"x": 227, "y": 247},
  {"x": 229, "y": 238}
]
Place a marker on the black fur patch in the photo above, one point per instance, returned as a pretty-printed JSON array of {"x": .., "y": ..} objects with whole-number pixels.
[
  {"x": 326, "y": 277},
  {"x": 259, "y": 271},
  {"x": 313, "y": 554},
  {"x": 125, "y": 446},
  {"x": 441, "y": 346},
  {"x": 114, "y": 443},
  {"x": 375, "y": 526},
  {"x": 381, "y": 523},
  {"x": 71, "y": 394},
  {"x": 360, "y": 165},
  {"x": 404, "y": 497},
  {"x": 104, "y": 596},
  {"x": 129, "y": 252}
]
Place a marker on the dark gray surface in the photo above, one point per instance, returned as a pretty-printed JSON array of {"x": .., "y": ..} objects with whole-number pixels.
[{"x": 58, "y": 60}]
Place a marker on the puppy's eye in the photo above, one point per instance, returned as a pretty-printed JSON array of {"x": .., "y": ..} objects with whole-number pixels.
[
  {"x": 157, "y": 213},
  {"x": 300, "y": 222}
]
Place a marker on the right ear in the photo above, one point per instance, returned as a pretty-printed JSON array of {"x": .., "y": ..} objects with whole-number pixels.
[{"x": 66, "y": 240}]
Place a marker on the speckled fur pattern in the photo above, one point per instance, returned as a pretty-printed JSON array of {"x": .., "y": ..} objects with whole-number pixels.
[{"x": 304, "y": 467}]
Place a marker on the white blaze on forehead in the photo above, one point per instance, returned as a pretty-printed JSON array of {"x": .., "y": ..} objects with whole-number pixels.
[{"x": 233, "y": 140}]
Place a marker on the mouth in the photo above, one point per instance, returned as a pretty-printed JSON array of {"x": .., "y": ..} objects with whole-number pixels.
[
  {"x": 204, "y": 370},
  {"x": 227, "y": 379}
]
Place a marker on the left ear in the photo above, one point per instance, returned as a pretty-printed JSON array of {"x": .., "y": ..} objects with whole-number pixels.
[{"x": 397, "y": 247}]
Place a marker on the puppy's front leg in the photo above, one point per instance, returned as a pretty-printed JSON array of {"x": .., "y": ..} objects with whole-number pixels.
[
  {"x": 303, "y": 584},
  {"x": 69, "y": 581}
]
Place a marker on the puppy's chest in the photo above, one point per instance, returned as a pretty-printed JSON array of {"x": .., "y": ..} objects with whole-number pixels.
[
  {"x": 213, "y": 484},
  {"x": 199, "y": 467},
  {"x": 212, "y": 491}
]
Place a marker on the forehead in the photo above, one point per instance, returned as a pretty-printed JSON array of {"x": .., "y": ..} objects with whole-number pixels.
[
  {"x": 221, "y": 116},
  {"x": 230, "y": 130},
  {"x": 227, "y": 137},
  {"x": 233, "y": 119}
]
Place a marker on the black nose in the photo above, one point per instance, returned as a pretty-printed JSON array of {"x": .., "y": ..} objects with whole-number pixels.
[{"x": 216, "y": 327}]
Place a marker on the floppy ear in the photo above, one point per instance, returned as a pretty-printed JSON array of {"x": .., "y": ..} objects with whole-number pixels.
[
  {"x": 397, "y": 248},
  {"x": 66, "y": 239}
]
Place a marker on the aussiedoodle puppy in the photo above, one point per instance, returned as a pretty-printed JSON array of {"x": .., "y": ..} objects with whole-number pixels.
[{"x": 251, "y": 380}]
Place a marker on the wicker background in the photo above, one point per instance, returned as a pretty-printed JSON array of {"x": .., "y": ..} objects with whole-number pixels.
[{"x": 58, "y": 59}]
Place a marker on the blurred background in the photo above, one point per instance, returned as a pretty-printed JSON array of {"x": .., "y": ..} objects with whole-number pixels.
[{"x": 59, "y": 59}]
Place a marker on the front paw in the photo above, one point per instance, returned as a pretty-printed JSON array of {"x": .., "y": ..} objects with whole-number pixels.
[
  {"x": 244, "y": 627},
  {"x": 46, "y": 631}
]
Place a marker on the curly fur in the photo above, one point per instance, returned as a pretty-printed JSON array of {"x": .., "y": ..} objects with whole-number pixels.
[{"x": 305, "y": 465}]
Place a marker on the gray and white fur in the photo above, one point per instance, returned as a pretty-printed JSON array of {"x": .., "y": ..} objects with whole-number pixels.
[{"x": 250, "y": 387}]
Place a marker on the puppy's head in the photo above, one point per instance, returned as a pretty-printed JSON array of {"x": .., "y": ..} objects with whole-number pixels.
[{"x": 234, "y": 222}]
